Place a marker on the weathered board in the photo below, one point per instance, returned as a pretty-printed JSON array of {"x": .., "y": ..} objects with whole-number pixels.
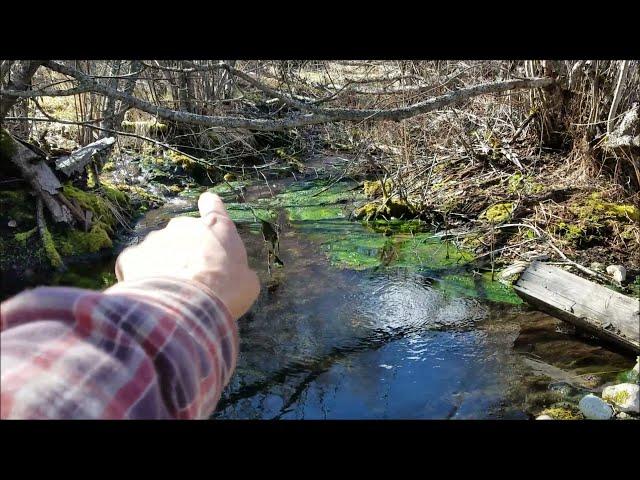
[{"x": 603, "y": 312}]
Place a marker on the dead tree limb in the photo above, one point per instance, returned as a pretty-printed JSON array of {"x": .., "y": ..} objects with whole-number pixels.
[{"x": 319, "y": 116}]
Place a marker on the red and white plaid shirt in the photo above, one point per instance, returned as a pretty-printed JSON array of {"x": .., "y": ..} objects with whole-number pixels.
[{"x": 148, "y": 349}]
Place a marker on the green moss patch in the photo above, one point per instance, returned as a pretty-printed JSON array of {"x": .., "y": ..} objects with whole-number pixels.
[
  {"x": 595, "y": 209},
  {"x": 563, "y": 413},
  {"x": 498, "y": 213}
]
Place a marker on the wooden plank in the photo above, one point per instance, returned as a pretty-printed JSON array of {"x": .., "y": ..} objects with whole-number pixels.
[{"x": 608, "y": 314}]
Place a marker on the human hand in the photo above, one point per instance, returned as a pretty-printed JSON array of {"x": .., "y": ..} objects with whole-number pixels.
[{"x": 206, "y": 249}]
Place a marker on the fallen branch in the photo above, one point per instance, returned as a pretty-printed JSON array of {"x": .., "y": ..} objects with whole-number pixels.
[{"x": 318, "y": 116}]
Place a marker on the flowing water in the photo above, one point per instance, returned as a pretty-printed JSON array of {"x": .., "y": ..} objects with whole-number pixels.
[{"x": 364, "y": 323}]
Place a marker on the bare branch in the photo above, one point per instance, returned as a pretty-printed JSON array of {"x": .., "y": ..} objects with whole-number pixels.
[{"x": 318, "y": 116}]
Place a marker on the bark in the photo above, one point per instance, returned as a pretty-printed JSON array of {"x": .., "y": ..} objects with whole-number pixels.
[
  {"x": 21, "y": 82},
  {"x": 76, "y": 162},
  {"x": 624, "y": 68}
]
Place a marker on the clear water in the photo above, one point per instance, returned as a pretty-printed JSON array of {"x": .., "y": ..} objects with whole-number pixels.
[{"x": 388, "y": 342}]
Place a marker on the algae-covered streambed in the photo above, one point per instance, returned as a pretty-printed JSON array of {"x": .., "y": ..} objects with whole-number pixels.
[{"x": 377, "y": 320}]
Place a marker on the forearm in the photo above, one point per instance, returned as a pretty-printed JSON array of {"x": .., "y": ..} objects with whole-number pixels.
[{"x": 154, "y": 348}]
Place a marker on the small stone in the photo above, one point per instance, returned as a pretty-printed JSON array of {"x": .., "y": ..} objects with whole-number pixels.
[
  {"x": 12, "y": 223},
  {"x": 622, "y": 416},
  {"x": 544, "y": 417},
  {"x": 594, "y": 408},
  {"x": 618, "y": 272},
  {"x": 626, "y": 396},
  {"x": 637, "y": 367}
]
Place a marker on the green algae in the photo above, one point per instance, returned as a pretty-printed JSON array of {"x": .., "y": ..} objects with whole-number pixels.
[
  {"x": 478, "y": 286},
  {"x": 314, "y": 213}
]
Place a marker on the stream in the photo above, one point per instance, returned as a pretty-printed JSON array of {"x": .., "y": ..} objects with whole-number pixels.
[{"x": 364, "y": 323}]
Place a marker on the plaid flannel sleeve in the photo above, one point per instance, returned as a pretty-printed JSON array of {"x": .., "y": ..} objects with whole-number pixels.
[{"x": 149, "y": 349}]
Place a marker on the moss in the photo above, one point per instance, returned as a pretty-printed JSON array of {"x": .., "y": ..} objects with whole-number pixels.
[
  {"x": 618, "y": 398},
  {"x": 7, "y": 148},
  {"x": 144, "y": 126},
  {"x": 367, "y": 211},
  {"x": 187, "y": 163},
  {"x": 74, "y": 242},
  {"x": 50, "y": 249},
  {"x": 562, "y": 413},
  {"x": 108, "y": 166},
  {"x": 498, "y": 292},
  {"x": 290, "y": 159},
  {"x": 498, "y": 213},
  {"x": 573, "y": 232},
  {"x": 392, "y": 208},
  {"x": 595, "y": 209},
  {"x": 121, "y": 199},
  {"x": 18, "y": 205},
  {"x": 22, "y": 237},
  {"x": 525, "y": 184},
  {"x": 373, "y": 189}
]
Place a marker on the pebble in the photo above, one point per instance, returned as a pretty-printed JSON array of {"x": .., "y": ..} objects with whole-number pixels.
[
  {"x": 544, "y": 417},
  {"x": 618, "y": 272},
  {"x": 12, "y": 223},
  {"x": 594, "y": 408},
  {"x": 625, "y": 396}
]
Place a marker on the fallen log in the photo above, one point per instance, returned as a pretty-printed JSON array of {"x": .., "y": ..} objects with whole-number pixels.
[
  {"x": 42, "y": 180},
  {"x": 76, "y": 162},
  {"x": 607, "y": 314}
]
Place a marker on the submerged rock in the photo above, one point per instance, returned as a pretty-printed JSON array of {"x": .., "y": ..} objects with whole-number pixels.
[
  {"x": 544, "y": 417},
  {"x": 594, "y": 408},
  {"x": 624, "y": 396}
]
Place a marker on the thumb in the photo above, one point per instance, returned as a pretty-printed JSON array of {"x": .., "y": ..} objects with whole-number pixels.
[{"x": 211, "y": 206}]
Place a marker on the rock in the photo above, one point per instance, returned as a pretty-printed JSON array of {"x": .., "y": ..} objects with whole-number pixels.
[
  {"x": 618, "y": 272},
  {"x": 597, "y": 267},
  {"x": 544, "y": 417},
  {"x": 637, "y": 367},
  {"x": 512, "y": 272},
  {"x": 12, "y": 223},
  {"x": 625, "y": 396},
  {"x": 594, "y": 408},
  {"x": 622, "y": 416}
]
